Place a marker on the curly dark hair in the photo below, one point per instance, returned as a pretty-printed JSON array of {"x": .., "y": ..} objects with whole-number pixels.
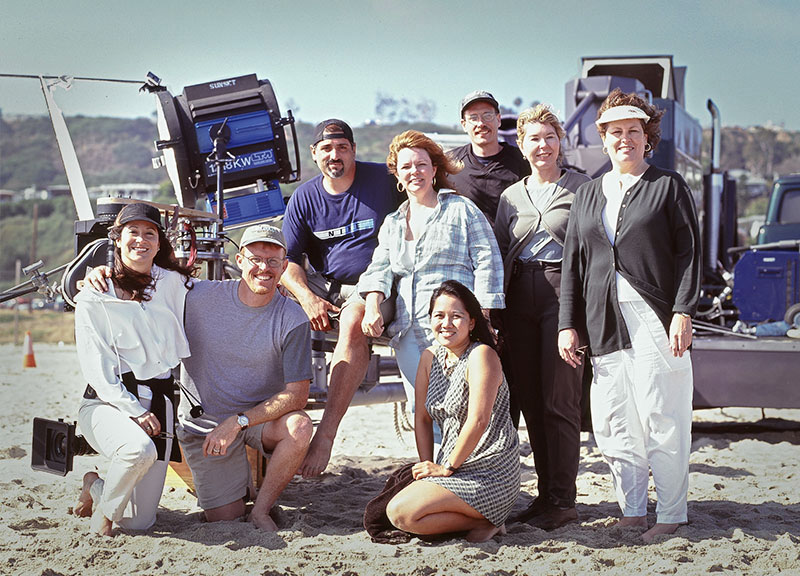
[
  {"x": 652, "y": 128},
  {"x": 137, "y": 283},
  {"x": 413, "y": 139},
  {"x": 481, "y": 332}
]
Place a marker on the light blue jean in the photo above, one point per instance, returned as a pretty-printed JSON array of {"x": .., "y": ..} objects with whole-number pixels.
[{"x": 408, "y": 355}]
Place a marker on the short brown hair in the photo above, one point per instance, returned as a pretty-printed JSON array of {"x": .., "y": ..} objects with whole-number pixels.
[
  {"x": 652, "y": 128},
  {"x": 415, "y": 139},
  {"x": 543, "y": 114}
]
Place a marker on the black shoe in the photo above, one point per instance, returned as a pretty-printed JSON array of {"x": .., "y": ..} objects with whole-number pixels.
[
  {"x": 555, "y": 518},
  {"x": 536, "y": 508}
]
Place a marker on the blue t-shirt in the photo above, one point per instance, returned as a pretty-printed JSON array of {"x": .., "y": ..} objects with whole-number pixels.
[{"x": 339, "y": 232}]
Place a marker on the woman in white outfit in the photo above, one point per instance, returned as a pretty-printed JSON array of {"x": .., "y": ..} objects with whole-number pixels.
[
  {"x": 631, "y": 281},
  {"x": 128, "y": 340}
]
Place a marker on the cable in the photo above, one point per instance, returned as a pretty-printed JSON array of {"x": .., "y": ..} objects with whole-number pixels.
[{"x": 85, "y": 78}]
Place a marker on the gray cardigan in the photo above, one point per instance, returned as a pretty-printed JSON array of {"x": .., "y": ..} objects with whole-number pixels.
[{"x": 518, "y": 219}]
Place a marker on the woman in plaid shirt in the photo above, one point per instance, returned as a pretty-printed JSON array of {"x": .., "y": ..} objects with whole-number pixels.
[{"x": 435, "y": 235}]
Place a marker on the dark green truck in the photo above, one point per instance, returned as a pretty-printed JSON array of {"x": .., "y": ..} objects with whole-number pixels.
[{"x": 783, "y": 213}]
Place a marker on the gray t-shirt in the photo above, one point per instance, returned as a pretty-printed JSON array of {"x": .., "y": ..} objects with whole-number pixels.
[{"x": 241, "y": 356}]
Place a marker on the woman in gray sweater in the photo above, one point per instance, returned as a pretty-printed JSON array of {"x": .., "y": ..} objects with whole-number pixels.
[{"x": 530, "y": 227}]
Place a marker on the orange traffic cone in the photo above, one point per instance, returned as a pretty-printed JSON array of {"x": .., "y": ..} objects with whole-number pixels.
[{"x": 28, "y": 361}]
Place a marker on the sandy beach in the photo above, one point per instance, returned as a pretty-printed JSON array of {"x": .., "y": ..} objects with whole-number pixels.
[{"x": 744, "y": 506}]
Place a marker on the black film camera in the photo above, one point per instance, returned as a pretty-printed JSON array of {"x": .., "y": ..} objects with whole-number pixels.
[{"x": 55, "y": 444}]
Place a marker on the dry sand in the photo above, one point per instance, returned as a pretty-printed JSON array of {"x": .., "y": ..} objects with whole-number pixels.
[{"x": 744, "y": 507}]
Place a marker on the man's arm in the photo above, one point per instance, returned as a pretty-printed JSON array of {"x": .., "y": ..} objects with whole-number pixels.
[
  {"x": 315, "y": 307},
  {"x": 294, "y": 397}
]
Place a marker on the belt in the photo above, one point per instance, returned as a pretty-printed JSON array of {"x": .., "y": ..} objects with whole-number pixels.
[{"x": 519, "y": 266}]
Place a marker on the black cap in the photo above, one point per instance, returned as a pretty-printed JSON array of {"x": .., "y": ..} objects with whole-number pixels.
[
  {"x": 332, "y": 128},
  {"x": 139, "y": 211},
  {"x": 479, "y": 96}
]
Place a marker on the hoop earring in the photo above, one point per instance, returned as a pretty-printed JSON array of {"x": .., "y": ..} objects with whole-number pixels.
[
  {"x": 605, "y": 151},
  {"x": 400, "y": 188},
  {"x": 434, "y": 181},
  {"x": 648, "y": 148}
]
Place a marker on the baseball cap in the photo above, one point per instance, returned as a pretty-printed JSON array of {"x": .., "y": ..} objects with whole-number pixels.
[
  {"x": 139, "y": 211},
  {"x": 332, "y": 128},
  {"x": 476, "y": 96},
  {"x": 263, "y": 233}
]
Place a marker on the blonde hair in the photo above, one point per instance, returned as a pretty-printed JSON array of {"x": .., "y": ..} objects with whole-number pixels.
[{"x": 543, "y": 114}]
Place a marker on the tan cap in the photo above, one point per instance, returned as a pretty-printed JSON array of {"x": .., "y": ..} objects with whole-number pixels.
[{"x": 263, "y": 233}]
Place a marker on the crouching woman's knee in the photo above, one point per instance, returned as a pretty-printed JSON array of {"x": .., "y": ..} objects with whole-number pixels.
[{"x": 399, "y": 514}]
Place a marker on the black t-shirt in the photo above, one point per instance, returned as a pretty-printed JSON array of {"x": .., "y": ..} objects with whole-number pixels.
[{"x": 483, "y": 180}]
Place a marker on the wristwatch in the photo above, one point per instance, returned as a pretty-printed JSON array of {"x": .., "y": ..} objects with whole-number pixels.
[
  {"x": 450, "y": 467},
  {"x": 243, "y": 421},
  {"x": 684, "y": 314}
]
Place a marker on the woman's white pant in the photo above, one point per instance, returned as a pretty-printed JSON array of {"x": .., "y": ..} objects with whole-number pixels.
[
  {"x": 641, "y": 401},
  {"x": 132, "y": 488}
]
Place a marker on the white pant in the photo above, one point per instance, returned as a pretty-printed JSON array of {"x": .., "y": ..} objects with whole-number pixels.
[
  {"x": 132, "y": 488},
  {"x": 642, "y": 416}
]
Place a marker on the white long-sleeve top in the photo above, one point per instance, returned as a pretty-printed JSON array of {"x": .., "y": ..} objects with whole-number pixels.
[{"x": 114, "y": 336}]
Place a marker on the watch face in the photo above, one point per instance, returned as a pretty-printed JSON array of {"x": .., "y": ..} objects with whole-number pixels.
[{"x": 243, "y": 420}]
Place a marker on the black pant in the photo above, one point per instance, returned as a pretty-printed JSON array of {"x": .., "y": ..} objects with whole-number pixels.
[{"x": 547, "y": 389}]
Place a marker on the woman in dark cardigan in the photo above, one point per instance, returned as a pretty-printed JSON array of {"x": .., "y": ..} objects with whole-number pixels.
[{"x": 631, "y": 281}]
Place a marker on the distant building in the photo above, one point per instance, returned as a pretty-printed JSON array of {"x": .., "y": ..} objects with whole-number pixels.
[
  {"x": 7, "y": 196},
  {"x": 753, "y": 185},
  {"x": 136, "y": 191}
]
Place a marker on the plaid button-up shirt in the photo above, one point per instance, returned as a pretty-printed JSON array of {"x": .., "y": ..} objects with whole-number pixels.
[{"x": 457, "y": 244}]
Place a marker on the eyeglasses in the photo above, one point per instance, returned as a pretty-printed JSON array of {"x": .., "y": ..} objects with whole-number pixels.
[
  {"x": 581, "y": 350},
  {"x": 258, "y": 262},
  {"x": 486, "y": 117}
]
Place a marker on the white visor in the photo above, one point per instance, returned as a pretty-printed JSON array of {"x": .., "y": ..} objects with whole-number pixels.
[{"x": 621, "y": 113}]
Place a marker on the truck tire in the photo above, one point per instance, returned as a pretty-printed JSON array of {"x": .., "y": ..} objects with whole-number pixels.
[{"x": 792, "y": 316}]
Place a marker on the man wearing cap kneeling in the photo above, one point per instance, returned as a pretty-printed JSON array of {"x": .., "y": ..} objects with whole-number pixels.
[
  {"x": 490, "y": 166},
  {"x": 331, "y": 227},
  {"x": 246, "y": 381},
  {"x": 249, "y": 369}
]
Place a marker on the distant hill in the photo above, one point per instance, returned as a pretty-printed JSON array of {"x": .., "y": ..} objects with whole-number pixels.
[
  {"x": 118, "y": 150},
  {"x": 110, "y": 150},
  {"x": 115, "y": 150}
]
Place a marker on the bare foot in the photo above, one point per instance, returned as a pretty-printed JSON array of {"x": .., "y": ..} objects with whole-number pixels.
[
  {"x": 263, "y": 522},
  {"x": 485, "y": 533},
  {"x": 632, "y": 522},
  {"x": 658, "y": 529},
  {"x": 319, "y": 453},
  {"x": 84, "y": 506},
  {"x": 100, "y": 524}
]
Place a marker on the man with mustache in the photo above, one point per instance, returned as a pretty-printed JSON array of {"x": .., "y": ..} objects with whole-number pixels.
[
  {"x": 490, "y": 166},
  {"x": 245, "y": 383},
  {"x": 331, "y": 228}
]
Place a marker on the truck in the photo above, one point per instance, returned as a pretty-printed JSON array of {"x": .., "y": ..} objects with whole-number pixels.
[{"x": 743, "y": 287}]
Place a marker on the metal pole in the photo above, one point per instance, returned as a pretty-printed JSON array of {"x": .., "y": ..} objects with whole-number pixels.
[{"x": 219, "y": 156}]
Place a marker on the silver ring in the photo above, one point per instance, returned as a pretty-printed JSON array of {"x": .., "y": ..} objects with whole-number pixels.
[{"x": 215, "y": 451}]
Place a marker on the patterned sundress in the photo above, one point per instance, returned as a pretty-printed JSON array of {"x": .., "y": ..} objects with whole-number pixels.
[{"x": 489, "y": 479}]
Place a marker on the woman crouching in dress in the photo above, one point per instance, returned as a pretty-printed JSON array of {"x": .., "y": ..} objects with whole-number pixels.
[
  {"x": 475, "y": 480},
  {"x": 128, "y": 340}
]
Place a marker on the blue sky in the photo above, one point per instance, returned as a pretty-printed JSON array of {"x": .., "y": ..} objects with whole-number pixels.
[{"x": 332, "y": 58}]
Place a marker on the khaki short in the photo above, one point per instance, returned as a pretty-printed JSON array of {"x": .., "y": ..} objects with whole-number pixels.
[
  {"x": 220, "y": 480},
  {"x": 343, "y": 295}
]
